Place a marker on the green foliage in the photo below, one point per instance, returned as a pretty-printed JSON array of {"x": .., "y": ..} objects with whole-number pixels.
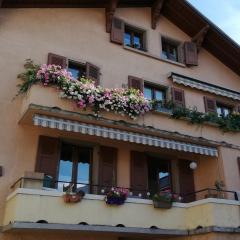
[
  {"x": 28, "y": 77},
  {"x": 230, "y": 123}
]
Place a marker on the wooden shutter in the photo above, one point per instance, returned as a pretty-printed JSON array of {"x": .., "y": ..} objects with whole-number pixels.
[
  {"x": 180, "y": 51},
  {"x": 117, "y": 31},
  {"x": 178, "y": 97},
  {"x": 191, "y": 55},
  {"x": 107, "y": 167},
  {"x": 135, "y": 82},
  {"x": 93, "y": 73},
  {"x": 139, "y": 173},
  {"x": 237, "y": 108},
  {"x": 57, "y": 60},
  {"x": 186, "y": 180},
  {"x": 48, "y": 156},
  {"x": 210, "y": 104}
]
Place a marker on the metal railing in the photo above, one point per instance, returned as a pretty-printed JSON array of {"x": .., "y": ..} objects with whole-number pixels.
[{"x": 46, "y": 183}]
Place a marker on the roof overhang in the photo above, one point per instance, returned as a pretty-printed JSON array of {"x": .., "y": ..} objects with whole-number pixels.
[{"x": 179, "y": 12}]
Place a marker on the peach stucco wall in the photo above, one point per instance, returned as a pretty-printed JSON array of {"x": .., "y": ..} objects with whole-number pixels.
[{"x": 80, "y": 35}]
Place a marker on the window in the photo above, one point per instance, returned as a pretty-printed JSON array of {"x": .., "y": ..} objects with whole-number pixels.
[
  {"x": 223, "y": 109},
  {"x": 78, "y": 70},
  {"x": 170, "y": 49},
  {"x": 74, "y": 167},
  {"x": 155, "y": 93},
  {"x": 134, "y": 38}
]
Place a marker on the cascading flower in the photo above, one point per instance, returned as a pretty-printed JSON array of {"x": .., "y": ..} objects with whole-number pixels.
[{"x": 85, "y": 93}]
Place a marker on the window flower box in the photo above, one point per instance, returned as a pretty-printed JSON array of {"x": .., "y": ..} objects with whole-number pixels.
[{"x": 116, "y": 196}]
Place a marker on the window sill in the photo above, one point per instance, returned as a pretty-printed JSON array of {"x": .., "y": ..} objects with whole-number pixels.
[{"x": 147, "y": 54}]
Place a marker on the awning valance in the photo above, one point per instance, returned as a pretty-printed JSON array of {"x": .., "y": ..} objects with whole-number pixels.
[
  {"x": 207, "y": 87},
  {"x": 121, "y": 135}
]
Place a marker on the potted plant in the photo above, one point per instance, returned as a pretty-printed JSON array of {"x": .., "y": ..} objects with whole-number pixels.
[
  {"x": 73, "y": 197},
  {"x": 163, "y": 199},
  {"x": 116, "y": 196}
]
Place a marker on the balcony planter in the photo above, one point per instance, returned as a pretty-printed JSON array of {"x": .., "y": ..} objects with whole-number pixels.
[
  {"x": 71, "y": 197},
  {"x": 163, "y": 199},
  {"x": 162, "y": 204},
  {"x": 116, "y": 196}
]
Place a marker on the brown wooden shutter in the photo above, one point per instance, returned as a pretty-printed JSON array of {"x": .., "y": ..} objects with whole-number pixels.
[
  {"x": 57, "y": 60},
  {"x": 178, "y": 97},
  {"x": 139, "y": 173},
  {"x": 210, "y": 105},
  {"x": 107, "y": 167},
  {"x": 191, "y": 55},
  {"x": 93, "y": 73},
  {"x": 48, "y": 156},
  {"x": 180, "y": 50},
  {"x": 237, "y": 108},
  {"x": 135, "y": 82},
  {"x": 186, "y": 180},
  {"x": 117, "y": 31}
]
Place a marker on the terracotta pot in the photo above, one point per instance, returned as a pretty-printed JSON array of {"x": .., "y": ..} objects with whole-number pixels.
[
  {"x": 162, "y": 204},
  {"x": 72, "y": 198}
]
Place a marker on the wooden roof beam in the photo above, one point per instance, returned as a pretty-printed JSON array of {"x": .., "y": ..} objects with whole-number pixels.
[
  {"x": 110, "y": 11},
  {"x": 200, "y": 36},
  {"x": 156, "y": 12}
]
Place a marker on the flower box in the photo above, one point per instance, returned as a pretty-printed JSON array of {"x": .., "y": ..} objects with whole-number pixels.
[
  {"x": 162, "y": 204},
  {"x": 116, "y": 196}
]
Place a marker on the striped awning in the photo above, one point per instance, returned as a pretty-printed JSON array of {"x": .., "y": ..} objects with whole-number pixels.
[
  {"x": 121, "y": 135},
  {"x": 207, "y": 87}
]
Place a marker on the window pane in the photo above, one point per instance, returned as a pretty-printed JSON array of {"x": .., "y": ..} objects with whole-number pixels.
[
  {"x": 75, "y": 72},
  {"x": 65, "y": 167},
  {"x": 127, "y": 39},
  {"x": 219, "y": 111},
  {"x": 159, "y": 95},
  {"x": 137, "y": 42},
  {"x": 148, "y": 93},
  {"x": 83, "y": 170}
]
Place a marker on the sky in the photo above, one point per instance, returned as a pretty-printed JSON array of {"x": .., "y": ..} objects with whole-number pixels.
[{"x": 223, "y": 13}]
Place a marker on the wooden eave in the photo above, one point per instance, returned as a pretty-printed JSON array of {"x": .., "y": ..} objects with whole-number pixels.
[{"x": 179, "y": 12}]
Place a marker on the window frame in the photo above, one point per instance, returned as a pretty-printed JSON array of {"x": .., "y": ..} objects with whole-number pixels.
[
  {"x": 154, "y": 87},
  {"x": 75, "y": 149},
  {"x": 77, "y": 63},
  {"x": 226, "y": 105},
  {"x": 172, "y": 41},
  {"x": 138, "y": 30}
]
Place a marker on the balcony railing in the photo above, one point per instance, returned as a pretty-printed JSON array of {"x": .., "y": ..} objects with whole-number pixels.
[{"x": 63, "y": 186}]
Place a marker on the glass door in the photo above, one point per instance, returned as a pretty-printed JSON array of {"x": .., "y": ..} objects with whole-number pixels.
[{"x": 74, "y": 168}]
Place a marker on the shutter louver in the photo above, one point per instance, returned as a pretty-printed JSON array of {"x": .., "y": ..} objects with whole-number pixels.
[
  {"x": 139, "y": 173},
  {"x": 57, "y": 60},
  {"x": 237, "y": 108},
  {"x": 191, "y": 55},
  {"x": 180, "y": 50},
  {"x": 178, "y": 97},
  {"x": 210, "y": 105},
  {"x": 107, "y": 168},
  {"x": 93, "y": 73},
  {"x": 117, "y": 31},
  {"x": 136, "y": 83},
  {"x": 47, "y": 156}
]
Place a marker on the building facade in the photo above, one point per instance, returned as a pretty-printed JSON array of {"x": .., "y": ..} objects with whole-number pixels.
[{"x": 175, "y": 57}]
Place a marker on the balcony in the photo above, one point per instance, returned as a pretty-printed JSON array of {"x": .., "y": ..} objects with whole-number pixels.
[{"x": 30, "y": 204}]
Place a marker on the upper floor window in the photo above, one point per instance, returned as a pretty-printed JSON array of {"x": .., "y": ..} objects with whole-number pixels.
[
  {"x": 134, "y": 38},
  {"x": 170, "y": 49},
  {"x": 152, "y": 92},
  {"x": 223, "y": 109},
  {"x": 78, "y": 70}
]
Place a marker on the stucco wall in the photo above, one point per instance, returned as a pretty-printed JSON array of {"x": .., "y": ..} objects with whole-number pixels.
[{"x": 80, "y": 35}]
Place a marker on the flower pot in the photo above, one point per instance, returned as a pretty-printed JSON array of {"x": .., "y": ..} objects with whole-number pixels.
[
  {"x": 72, "y": 198},
  {"x": 162, "y": 204},
  {"x": 115, "y": 201}
]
